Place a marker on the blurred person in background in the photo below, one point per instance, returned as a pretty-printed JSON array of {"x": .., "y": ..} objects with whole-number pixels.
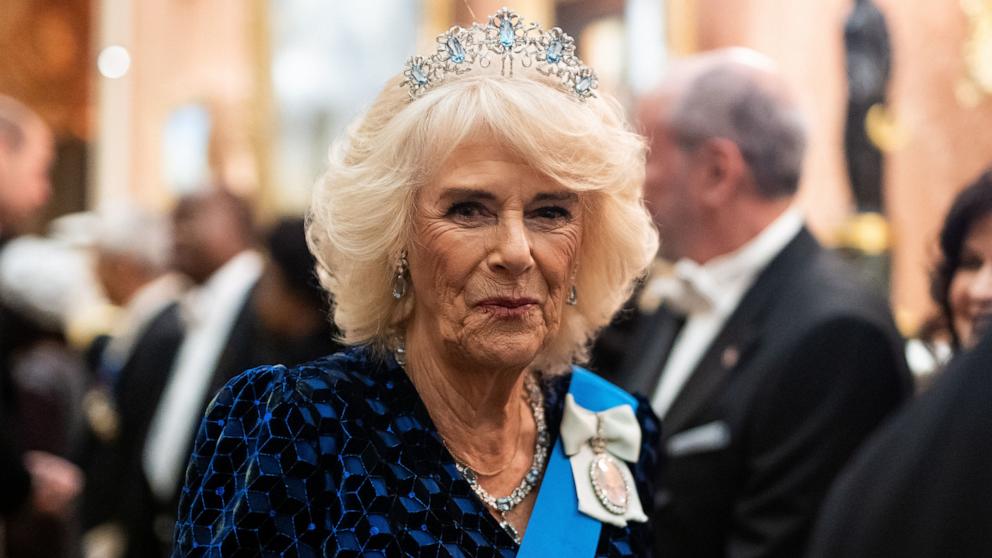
[
  {"x": 292, "y": 308},
  {"x": 43, "y": 280},
  {"x": 214, "y": 245},
  {"x": 26, "y": 153},
  {"x": 767, "y": 361},
  {"x": 922, "y": 486},
  {"x": 131, "y": 255},
  {"x": 962, "y": 281},
  {"x": 36, "y": 482}
]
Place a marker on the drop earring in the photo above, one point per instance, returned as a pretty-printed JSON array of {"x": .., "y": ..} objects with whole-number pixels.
[
  {"x": 399, "y": 278},
  {"x": 573, "y": 297}
]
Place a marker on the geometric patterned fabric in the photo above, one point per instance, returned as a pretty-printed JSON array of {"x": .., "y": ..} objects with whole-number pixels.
[{"x": 339, "y": 457}]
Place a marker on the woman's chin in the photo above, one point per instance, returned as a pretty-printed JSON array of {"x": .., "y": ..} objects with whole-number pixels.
[{"x": 506, "y": 350}]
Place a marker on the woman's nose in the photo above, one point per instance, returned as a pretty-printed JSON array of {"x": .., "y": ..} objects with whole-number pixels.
[
  {"x": 512, "y": 251},
  {"x": 980, "y": 289}
]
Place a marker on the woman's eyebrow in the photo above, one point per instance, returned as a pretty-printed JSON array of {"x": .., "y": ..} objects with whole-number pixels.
[
  {"x": 557, "y": 196},
  {"x": 467, "y": 193}
]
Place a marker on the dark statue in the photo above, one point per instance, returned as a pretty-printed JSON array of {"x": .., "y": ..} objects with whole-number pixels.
[{"x": 869, "y": 62}]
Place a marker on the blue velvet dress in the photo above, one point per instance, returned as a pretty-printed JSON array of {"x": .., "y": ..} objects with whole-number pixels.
[{"x": 339, "y": 457}]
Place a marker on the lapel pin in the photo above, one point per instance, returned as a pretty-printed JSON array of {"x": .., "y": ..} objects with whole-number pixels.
[{"x": 730, "y": 356}]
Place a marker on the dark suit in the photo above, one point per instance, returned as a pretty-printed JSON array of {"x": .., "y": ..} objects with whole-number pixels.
[
  {"x": 116, "y": 487},
  {"x": 239, "y": 353},
  {"x": 15, "y": 483},
  {"x": 802, "y": 371},
  {"x": 922, "y": 486}
]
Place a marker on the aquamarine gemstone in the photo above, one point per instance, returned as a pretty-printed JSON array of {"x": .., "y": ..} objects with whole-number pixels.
[
  {"x": 532, "y": 476},
  {"x": 506, "y": 35},
  {"x": 554, "y": 51},
  {"x": 418, "y": 74},
  {"x": 583, "y": 85},
  {"x": 455, "y": 51}
]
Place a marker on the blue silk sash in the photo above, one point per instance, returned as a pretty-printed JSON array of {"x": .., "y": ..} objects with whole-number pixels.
[{"x": 556, "y": 523}]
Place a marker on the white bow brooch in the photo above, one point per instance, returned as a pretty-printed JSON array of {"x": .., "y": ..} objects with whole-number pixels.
[{"x": 598, "y": 445}]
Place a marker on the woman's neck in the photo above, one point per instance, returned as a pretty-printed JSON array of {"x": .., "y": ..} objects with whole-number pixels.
[{"x": 480, "y": 412}]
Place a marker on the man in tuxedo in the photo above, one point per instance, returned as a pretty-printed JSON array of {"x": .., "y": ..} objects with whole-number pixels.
[
  {"x": 213, "y": 245},
  {"x": 131, "y": 365},
  {"x": 922, "y": 486},
  {"x": 767, "y": 361},
  {"x": 37, "y": 480}
]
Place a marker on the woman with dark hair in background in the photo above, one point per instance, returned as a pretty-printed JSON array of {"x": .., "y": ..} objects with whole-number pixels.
[
  {"x": 291, "y": 305},
  {"x": 962, "y": 280},
  {"x": 922, "y": 486}
]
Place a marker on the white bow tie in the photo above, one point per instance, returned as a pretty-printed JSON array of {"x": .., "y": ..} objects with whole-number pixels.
[
  {"x": 193, "y": 307},
  {"x": 687, "y": 287}
]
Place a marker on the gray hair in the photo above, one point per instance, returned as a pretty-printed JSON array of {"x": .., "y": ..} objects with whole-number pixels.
[{"x": 731, "y": 101}]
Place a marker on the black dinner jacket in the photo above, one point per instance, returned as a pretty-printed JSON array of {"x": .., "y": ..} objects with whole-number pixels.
[
  {"x": 803, "y": 370},
  {"x": 15, "y": 482},
  {"x": 922, "y": 486},
  {"x": 139, "y": 392},
  {"x": 116, "y": 488}
]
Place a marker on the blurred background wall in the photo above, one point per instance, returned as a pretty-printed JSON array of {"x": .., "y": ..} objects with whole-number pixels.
[{"x": 153, "y": 98}]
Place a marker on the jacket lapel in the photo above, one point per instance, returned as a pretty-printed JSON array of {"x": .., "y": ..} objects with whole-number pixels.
[
  {"x": 655, "y": 340},
  {"x": 741, "y": 335}
]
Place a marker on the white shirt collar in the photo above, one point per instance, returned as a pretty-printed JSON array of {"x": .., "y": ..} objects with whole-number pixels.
[
  {"x": 145, "y": 305},
  {"x": 232, "y": 277},
  {"x": 744, "y": 263},
  {"x": 232, "y": 272},
  {"x": 720, "y": 282},
  {"x": 155, "y": 295}
]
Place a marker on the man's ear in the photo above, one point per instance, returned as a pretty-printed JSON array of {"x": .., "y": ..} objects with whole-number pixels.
[
  {"x": 5, "y": 159},
  {"x": 723, "y": 168}
]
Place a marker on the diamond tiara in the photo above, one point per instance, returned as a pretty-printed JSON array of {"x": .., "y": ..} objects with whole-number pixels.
[{"x": 509, "y": 39}]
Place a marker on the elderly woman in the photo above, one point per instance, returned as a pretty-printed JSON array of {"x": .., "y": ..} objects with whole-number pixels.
[
  {"x": 476, "y": 227},
  {"x": 962, "y": 280}
]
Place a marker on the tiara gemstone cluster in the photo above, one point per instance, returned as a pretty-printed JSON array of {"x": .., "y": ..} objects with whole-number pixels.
[{"x": 506, "y": 39}]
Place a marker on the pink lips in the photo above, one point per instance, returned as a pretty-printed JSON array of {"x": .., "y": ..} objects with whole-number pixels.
[{"x": 507, "y": 307}]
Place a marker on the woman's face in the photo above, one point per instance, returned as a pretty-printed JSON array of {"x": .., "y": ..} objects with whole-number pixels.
[
  {"x": 971, "y": 286},
  {"x": 493, "y": 257}
]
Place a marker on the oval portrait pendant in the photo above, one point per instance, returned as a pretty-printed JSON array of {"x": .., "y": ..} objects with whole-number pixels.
[{"x": 609, "y": 483}]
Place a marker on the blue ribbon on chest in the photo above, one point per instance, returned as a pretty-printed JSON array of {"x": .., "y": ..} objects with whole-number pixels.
[{"x": 556, "y": 524}]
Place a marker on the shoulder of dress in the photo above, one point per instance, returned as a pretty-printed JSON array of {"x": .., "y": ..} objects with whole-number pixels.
[{"x": 333, "y": 373}]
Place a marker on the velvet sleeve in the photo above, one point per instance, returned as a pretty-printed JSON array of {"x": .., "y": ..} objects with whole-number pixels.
[{"x": 254, "y": 484}]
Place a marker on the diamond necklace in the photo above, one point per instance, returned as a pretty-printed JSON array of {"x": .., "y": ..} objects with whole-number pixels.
[{"x": 505, "y": 504}]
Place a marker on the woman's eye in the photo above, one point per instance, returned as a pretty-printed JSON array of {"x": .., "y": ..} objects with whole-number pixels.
[
  {"x": 553, "y": 213},
  {"x": 971, "y": 263},
  {"x": 465, "y": 210}
]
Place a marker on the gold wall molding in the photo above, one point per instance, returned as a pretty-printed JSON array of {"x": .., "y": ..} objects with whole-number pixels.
[
  {"x": 683, "y": 26},
  {"x": 977, "y": 53}
]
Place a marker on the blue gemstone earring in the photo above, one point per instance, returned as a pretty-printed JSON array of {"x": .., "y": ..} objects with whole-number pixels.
[
  {"x": 573, "y": 297},
  {"x": 399, "y": 278}
]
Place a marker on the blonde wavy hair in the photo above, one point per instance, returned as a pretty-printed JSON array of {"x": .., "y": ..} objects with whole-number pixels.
[{"x": 361, "y": 216}]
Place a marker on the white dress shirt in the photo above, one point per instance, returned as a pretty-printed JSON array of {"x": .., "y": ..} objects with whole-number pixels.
[
  {"x": 209, "y": 313},
  {"x": 709, "y": 294}
]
